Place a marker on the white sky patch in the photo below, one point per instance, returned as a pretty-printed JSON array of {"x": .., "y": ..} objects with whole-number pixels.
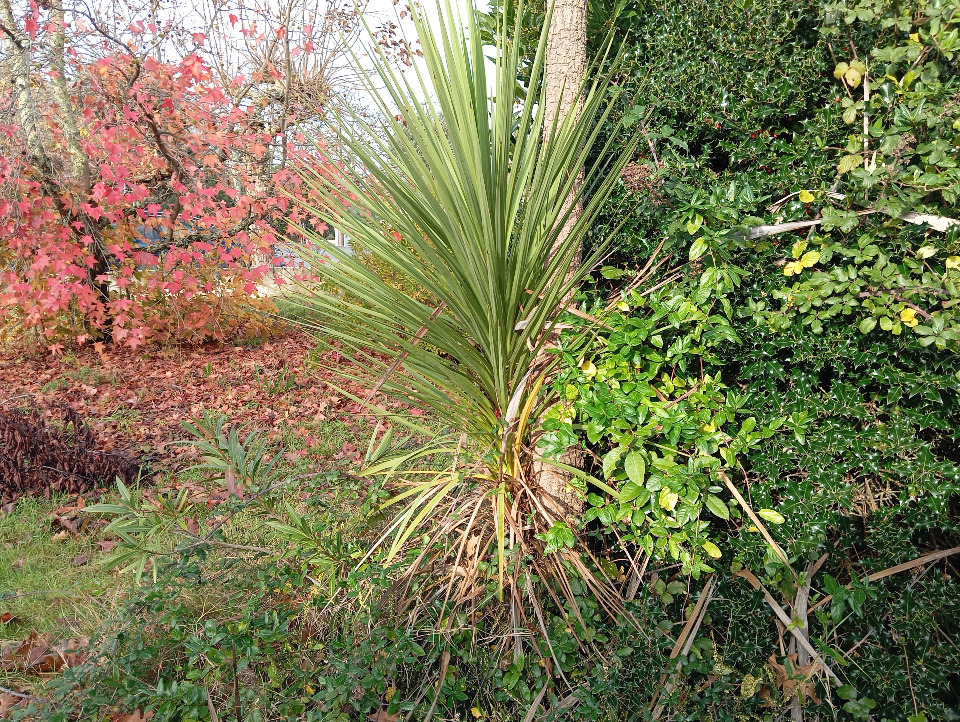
[{"x": 380, "y": 10}]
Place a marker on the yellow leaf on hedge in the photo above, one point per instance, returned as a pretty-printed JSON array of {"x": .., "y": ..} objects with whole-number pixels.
[
  {"x": 953, "y": 263},
  {"x": 476, "y": 712},
  {"x": 712, "y": 549},
  {"x": 668, "y": 499},
  {"x": 809, "y": 259},
  {"x": 792, "y": 268},
  {"x": 589, "y": 369},
  {"x": 909, "y": 317},
  {"x": 806, "y": 197}
]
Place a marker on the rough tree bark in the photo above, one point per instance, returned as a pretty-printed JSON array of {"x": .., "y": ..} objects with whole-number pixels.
[
  {"x": 20, "y": 49},
  {"x": 566, "y": 69}
]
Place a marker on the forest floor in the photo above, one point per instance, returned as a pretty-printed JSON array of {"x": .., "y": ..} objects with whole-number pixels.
[{"x": 54, "y": 586}]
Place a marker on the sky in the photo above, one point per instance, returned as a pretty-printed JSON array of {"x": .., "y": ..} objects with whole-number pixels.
[{"x": 386, "y": 8}]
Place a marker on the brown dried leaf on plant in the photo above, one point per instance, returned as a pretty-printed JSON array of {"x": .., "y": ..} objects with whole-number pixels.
[
  {"x": 641, "y": 178},
  {"x": 38, "y": 654},
  {"x": 40, "y": 457},
  {"x": 792, "y": 678}
]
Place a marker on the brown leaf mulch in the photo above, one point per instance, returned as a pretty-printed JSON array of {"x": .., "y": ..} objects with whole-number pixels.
[{"x": 135, "y": 404}]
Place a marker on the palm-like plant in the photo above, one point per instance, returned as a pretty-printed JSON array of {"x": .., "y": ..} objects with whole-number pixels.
[{"x": 464, "y": 195}]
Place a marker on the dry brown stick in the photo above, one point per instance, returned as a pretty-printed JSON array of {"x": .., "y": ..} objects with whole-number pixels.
[
  {"x": 787, "y": 622},
  {"x": 213, "y": 710},
  {"x": 415, "y": 341},
  {"x": 642, "y": 275},
  {"x": 800, "y": 605},
  {"x": 906, "y": 566},
  {"x": 569, "y": 309},
  {"x": 444, "y": 665},
  {"x": 664, "y": 282},
  {"x": 906, "y": 659},
  {"x": 683, "y": 644},
  {"x": 756, "y": 520},
  {"x": 532, "y": 712}
]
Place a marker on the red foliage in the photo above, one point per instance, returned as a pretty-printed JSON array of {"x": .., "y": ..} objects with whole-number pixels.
[{"x": 146, "y": 200}]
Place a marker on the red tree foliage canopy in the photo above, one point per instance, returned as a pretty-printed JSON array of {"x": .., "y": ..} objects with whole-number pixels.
[{"x": 141, "y": 198}]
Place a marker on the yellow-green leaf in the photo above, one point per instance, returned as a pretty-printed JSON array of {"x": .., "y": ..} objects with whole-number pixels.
[
  {"x": 806, "y": 196},
  {"x": 771, "y": 516},
  {"x": 697, "y": 249},
  {"x": 668, "y": 499},
  {"x": 712, "y": 549},
  {"x": 809, "y": 259},
  {"x": 848, "y": 163},
  {"x": 840, "y": 70}
]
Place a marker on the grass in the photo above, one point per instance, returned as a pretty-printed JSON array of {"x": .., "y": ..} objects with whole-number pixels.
[
  {"x": 58, "y": 584},
  {"x": 43, "y": 583}
]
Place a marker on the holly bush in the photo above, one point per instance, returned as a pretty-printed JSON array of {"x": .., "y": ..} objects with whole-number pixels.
[{"x": 800, "y": 173}]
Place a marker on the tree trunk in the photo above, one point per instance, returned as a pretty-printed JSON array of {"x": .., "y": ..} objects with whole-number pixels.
[
  {"x": 566, "y": 69},
  {"x": 19, "y": 47}
]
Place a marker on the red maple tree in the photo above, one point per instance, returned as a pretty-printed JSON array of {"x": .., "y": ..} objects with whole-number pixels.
[{"x": 142, "y": 198}]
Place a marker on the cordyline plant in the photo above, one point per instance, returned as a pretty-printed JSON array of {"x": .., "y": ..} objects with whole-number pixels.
[{"x": 465, "y": 195}]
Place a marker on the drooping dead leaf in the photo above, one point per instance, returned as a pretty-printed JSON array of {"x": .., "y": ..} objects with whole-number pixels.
[
  {"x": 107, "y": 545},
  {"x": 37, "y": 654},
  {"x": 80, "y": 560},
  {"x": 791, "y": 678},
  {"x": 381, "y": 715},
  {"x": 8, "y": 702}
]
